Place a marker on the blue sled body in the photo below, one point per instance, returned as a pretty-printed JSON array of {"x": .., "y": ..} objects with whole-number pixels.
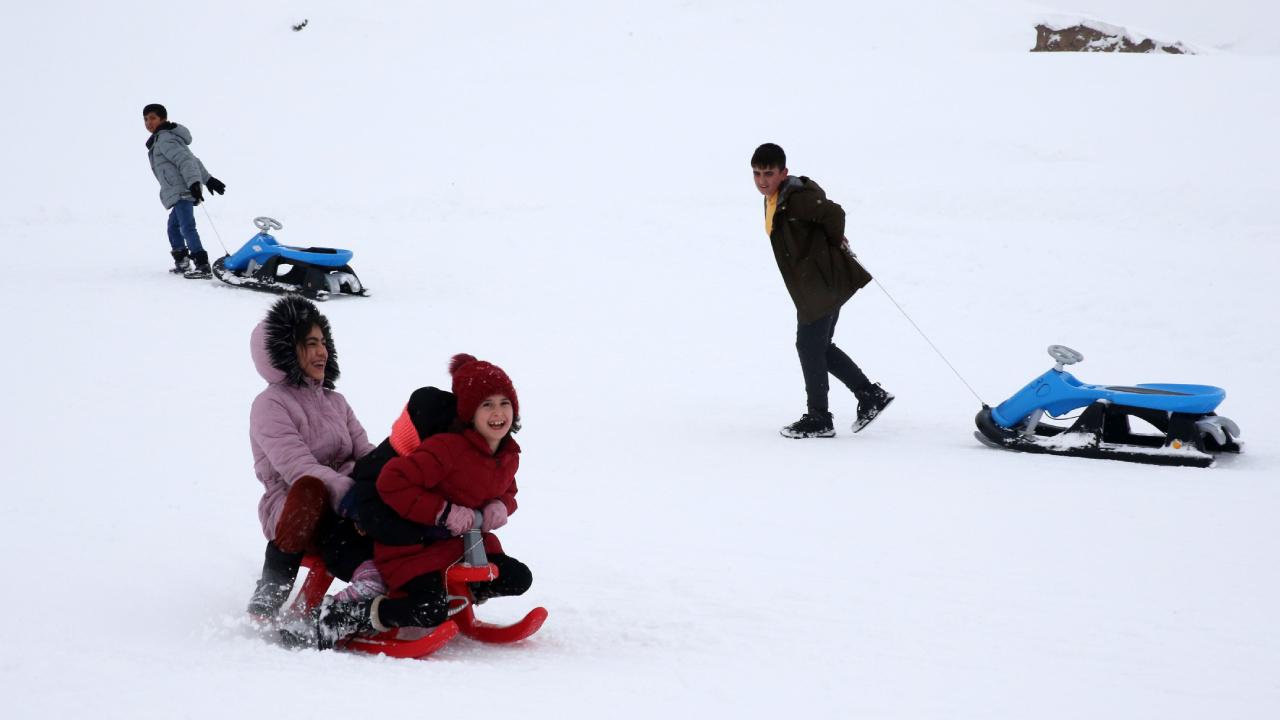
[
  {"x": 1191, "y": 432},
  {"x": 262, "y": 248},
  {"x": 1058, "y": 392},
  {"x": 263, "y": 263}
]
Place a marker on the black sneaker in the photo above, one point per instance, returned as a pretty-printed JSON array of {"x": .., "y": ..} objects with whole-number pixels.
[
  {"x": 870, "y": 404},
  {"x": 201, "y": 271},
  {"x": 337, "y": 620},
  {"x": 811, "y": 425},
  {"x": 181, "y": 261}
]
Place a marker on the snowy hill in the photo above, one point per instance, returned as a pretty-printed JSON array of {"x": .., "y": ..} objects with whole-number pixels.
[{"x": 563, "y": 188}]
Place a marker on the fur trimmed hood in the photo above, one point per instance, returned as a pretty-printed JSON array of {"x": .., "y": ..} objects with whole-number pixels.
[{"x": 273, "y": 343}]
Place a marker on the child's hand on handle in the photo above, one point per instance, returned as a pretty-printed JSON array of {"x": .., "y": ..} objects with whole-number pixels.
[
  {"x": 495, "y": 516},
  {"x": 460, "y": 519}
]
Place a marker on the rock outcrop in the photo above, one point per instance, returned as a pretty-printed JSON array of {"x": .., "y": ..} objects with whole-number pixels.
[{"x": 1083, "y": 38}]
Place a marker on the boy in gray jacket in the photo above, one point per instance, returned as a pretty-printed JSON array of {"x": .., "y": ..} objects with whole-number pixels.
[{"x": 180, "y": 174}]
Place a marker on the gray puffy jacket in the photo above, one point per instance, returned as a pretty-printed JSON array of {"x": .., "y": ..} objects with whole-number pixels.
[{"x": 175, "y": 167}]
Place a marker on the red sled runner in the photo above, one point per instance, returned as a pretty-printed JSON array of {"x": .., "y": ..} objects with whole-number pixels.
[{"x": 421, "y": 642}]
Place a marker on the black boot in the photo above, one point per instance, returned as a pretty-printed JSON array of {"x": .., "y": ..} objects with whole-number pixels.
[
  {"x": 871, "y": 402},
  {"x": 279, "y": 570},
  {"x": 181, "y": 261},
  {"x": 337, "y": 620},
  {"x": 201, "y": 269},
  {"x": 811, "y": 425}
]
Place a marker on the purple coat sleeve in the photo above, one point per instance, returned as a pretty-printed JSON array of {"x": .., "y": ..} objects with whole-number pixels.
[
  {"x": 359, "y": 438},
  {"x": 280, "y": 440}
]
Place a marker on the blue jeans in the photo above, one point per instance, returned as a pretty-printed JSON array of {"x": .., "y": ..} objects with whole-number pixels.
[{"x": 182, "y": 225}]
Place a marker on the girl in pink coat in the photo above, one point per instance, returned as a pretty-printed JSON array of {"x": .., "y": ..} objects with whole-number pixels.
[{"x": 305, "y": 442}]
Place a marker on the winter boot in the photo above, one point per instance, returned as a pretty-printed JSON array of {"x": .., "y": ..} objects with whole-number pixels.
[
  {"x": 871, "y": 402},
  {"x": 337, "y": 620},
  {"x": 298, "y": 630},
  {"x": 279, "y": 570},
  {"x": 181, "y": 261},
  {"x": 201, "y": 270},
  {"x": 811, "y": 425}
]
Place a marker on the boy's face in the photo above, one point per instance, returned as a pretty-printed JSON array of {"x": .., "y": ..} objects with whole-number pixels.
[
  {"x": 152, "y": 121},
  {"x": 768, "y": 180}
]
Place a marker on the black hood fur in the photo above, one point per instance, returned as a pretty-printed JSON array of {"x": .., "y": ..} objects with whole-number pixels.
[{"x": 286, "y": 324}]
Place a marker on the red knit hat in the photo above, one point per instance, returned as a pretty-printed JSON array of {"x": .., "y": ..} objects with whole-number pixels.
[{"x": 474, "y": 380}]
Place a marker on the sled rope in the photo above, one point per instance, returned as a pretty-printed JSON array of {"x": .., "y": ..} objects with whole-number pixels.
[
  {"x": 215, "y": 229},
  {"x": 450, "y": 598},
  {"x": 926, "y": 339}
]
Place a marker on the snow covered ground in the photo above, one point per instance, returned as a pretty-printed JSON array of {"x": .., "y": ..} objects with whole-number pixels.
[{"x": 563, "y": 188}]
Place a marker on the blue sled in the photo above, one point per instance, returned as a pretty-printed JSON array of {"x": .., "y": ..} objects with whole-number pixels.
[
  {"x": 1192, "y": 434},
  {"x": 263, "y": 263}
]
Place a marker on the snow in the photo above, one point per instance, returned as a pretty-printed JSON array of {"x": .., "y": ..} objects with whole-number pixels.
[{"x": 562, "y": 188}]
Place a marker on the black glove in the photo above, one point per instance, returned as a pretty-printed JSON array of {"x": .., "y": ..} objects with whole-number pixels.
[
  {"x": 196, "y": 194},
  {"x": 216, "y": 186}
]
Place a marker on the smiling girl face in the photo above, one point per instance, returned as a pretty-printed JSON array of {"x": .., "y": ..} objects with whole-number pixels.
[
  {"x": 313, "y": 355},
  {"x": 493, "y": 419}
]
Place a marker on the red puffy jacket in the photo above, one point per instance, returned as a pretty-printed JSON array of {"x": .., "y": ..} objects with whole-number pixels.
[{"x": 448, "y": 467}]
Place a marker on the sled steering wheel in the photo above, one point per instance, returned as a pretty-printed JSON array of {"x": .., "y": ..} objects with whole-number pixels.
[
  {"x": 1064, "y": 356},
  {"x": 267, "y": 224}
]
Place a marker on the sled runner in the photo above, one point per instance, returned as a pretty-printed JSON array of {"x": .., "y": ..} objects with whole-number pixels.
[
  {"x": 475, "y": 567},
  {"x": 262, "y": 263},
  {"x": 1191, "y": 433}
]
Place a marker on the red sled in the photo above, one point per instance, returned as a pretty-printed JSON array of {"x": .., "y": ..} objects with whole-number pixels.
[
  {"x": 421, "y": 642},
  {"x": 415, "y": 643},
  {"x": 396, "y": 642}
]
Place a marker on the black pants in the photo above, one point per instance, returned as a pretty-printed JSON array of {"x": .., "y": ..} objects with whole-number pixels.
[
  {"x": 426, "y": 603},
  {"x": 819, "y": 356},
  {"x": 343, "y": 547}
]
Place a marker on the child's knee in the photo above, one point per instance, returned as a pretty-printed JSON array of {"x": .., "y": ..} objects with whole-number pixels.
[{"x": 514, "y": 577}]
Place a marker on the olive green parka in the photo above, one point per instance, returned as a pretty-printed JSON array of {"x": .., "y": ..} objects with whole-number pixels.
[{"x": 809, "y": 244}]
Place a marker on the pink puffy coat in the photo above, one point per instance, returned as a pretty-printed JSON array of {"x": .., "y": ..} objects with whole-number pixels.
[{"x": 297, "y": 431}]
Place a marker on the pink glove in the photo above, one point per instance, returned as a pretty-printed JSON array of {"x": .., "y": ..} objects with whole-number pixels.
[
  {"x": 460, "y": 519},
  {"x": 495, "y": 516}
]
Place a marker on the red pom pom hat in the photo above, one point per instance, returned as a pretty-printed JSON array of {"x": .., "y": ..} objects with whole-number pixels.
[{"x": 474, "y": 380}]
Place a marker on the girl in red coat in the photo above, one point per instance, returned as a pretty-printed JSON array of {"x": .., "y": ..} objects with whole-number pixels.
[{"x": 442, "y": 482}]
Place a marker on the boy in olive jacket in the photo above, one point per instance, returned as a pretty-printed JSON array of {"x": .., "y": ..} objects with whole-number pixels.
[{"x": 806, "y": 231}]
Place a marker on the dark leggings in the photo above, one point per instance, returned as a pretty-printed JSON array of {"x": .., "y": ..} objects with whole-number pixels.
[
  {"x": 425, "y": 603},
  {"x": 819, "y": 356},
  {"x": 343, "y": 547}
]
